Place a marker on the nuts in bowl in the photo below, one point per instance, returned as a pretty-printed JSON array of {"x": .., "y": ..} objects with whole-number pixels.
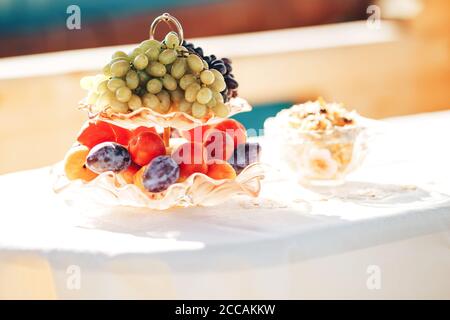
[{"x": 318, "y": 143}]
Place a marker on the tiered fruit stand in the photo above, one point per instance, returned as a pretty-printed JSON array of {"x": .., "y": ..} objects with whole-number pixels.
[{"x": 124, "y": 107}]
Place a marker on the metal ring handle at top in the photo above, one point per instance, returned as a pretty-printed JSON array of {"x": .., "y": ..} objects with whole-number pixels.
[{"x": 168, "y": 19}]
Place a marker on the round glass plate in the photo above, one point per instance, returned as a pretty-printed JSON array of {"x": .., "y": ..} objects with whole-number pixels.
[
  {"x": 177, "y": 119},
  {"x": 198, "y": 190}
]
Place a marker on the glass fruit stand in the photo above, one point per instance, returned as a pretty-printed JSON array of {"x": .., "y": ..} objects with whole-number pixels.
[{"x": 158, "y": 134}]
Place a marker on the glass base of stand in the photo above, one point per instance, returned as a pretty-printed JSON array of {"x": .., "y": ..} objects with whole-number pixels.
[{"x": 108, "y": 190}]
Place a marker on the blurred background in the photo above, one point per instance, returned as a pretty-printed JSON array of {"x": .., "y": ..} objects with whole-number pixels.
[{"x": 283, "y": 52}]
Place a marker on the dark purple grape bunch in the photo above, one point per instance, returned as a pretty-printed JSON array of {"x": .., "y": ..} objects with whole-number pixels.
[{"x": 223, "y": 66}]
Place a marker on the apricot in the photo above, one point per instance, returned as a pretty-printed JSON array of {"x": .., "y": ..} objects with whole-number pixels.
[
  {"x": 75, "y": 164},
  {"x": 128, "y": 174},
  {"x": 141, "y": 129},
  {"x": 196, "y": 134},
  {"x": 235, "y": 129},
  {"x": 221, "y": 170},
  {"x": 145, "y": 147},
  {"x": 137, "y": 179},
  {"x": 219, "y": 145},
  {"x": 192, "y": 158}
]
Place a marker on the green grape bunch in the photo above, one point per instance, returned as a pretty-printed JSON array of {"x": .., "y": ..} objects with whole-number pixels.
[{"x": 161, "y": 75}]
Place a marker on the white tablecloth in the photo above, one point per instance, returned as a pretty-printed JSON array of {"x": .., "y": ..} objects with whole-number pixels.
[{"x": 384, "y": 234}]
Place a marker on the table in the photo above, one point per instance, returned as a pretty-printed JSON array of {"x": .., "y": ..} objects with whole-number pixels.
[{"x": 384, "y": 234}]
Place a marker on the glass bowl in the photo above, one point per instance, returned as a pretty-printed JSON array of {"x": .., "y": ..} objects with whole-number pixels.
[
  {"x": 109, "y": 189},
  {"x": 317, "y": 157},
  {"x": 176, "y": 119}
]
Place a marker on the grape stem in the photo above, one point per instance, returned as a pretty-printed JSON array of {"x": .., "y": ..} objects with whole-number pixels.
[{"x": 166, "y": 136}]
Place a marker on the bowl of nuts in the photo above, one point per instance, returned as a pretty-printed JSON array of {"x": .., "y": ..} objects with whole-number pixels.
[{"x": 317, "y": 143}]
